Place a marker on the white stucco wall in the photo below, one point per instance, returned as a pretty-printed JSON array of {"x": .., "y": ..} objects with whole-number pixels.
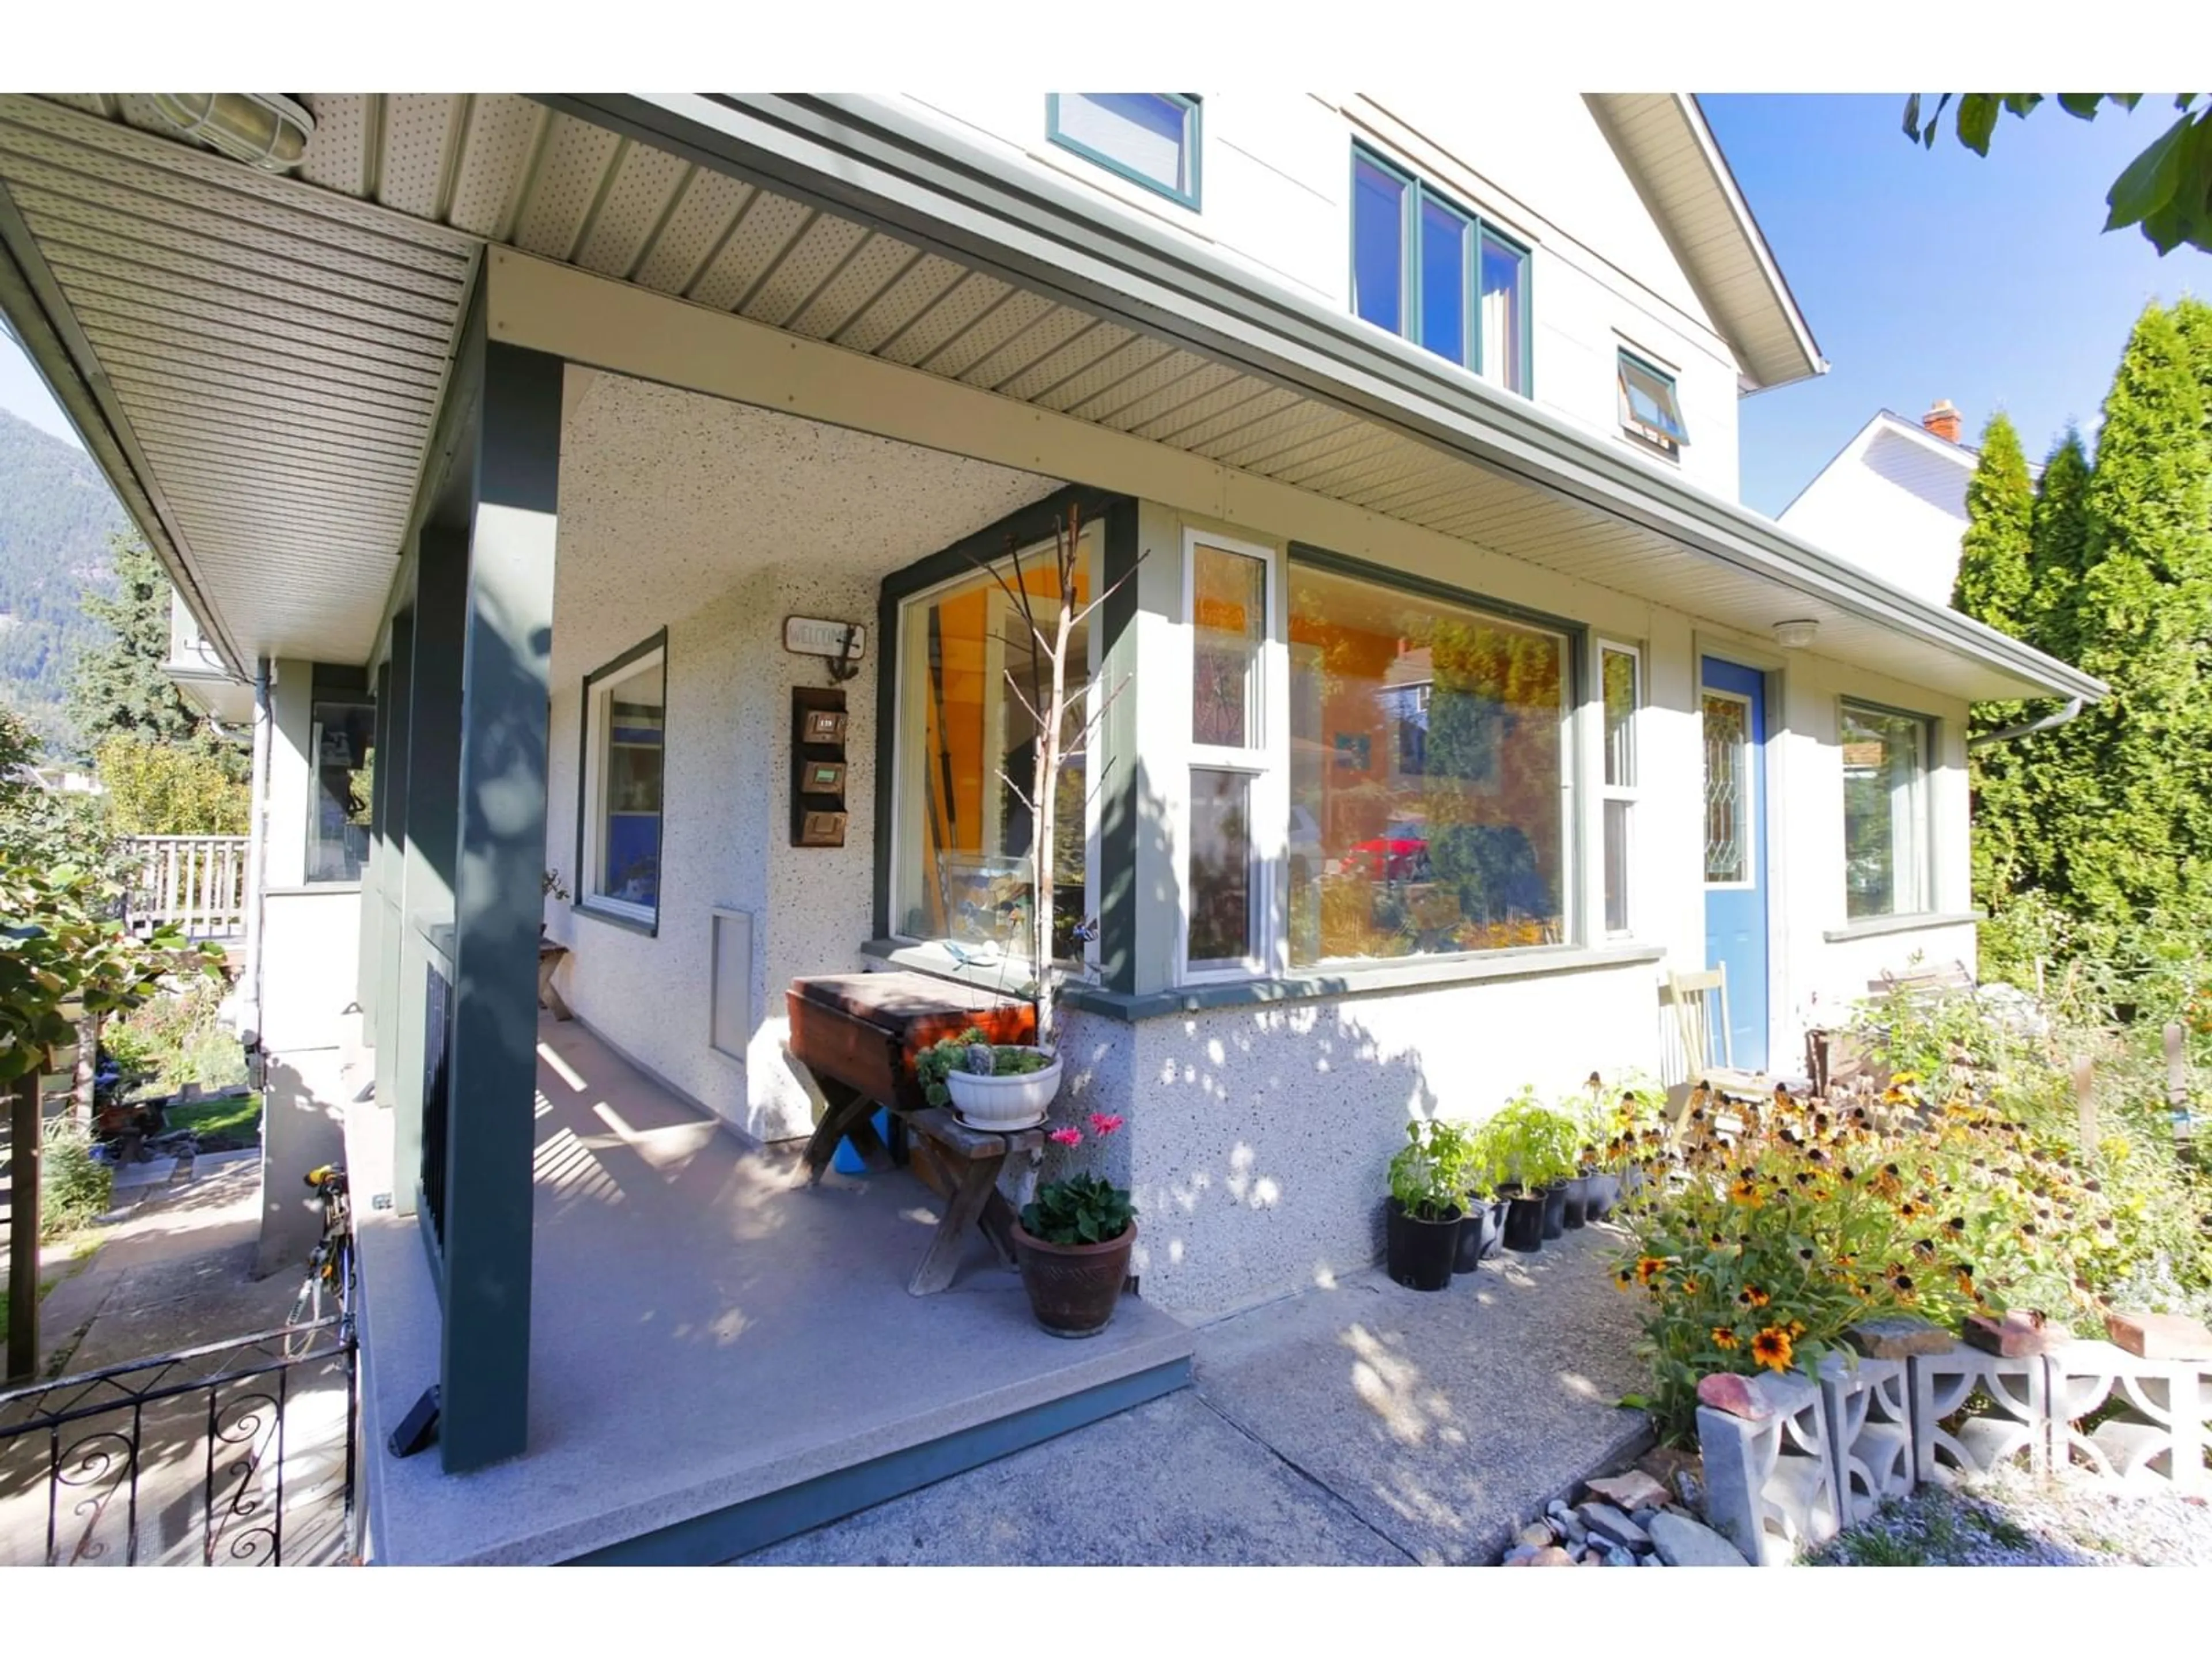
[
  {"x": 1257, "y": 1135},
  {"x": 717, "y": 521},
  {"x": 1276, "y": 198}
]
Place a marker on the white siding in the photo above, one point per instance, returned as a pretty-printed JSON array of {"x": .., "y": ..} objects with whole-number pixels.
[
  {"x": 1276, "y": 198},
  {"x": 1893, "y": 503}
]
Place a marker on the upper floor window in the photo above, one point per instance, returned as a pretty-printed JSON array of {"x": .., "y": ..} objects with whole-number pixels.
[
  {"x": 1429, "y": 270},
  {"x": 1885, "y": 812},
  {"x": 1150, "y": 138},
  {"x": 1649, "y": 408}
]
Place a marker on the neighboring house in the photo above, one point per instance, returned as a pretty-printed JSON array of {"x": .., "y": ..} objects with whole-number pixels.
[
  {"x": 1464, "y": 701},
  {"x": 1893, "y": 501}
]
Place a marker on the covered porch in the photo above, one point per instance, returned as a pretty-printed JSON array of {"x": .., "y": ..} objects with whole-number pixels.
[{"x": 720, "y": 1356}]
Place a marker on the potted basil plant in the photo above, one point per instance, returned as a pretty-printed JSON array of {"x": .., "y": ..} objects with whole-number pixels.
[
  {"x": 1484, "y": 1223},
  {"x": 1537, "y": 1144}
]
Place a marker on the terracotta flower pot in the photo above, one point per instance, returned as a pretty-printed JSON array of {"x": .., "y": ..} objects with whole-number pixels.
[{"x": 1074, "y": 1288}]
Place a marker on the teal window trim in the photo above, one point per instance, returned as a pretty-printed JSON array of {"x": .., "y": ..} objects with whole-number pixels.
[
  {"x": 1419, "y": 193},
  {"x": 1667, "y": 440},
  {"x": 1193, "y": 147}
]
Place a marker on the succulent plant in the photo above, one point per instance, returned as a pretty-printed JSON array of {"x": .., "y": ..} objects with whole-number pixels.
[{"x": 982, "y": 1060}]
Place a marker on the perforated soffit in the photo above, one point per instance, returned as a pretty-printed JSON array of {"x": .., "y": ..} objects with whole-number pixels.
[{"x": 278, "y": 346}]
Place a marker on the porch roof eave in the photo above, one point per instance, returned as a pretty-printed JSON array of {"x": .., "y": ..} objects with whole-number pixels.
[{"x": 865, "y": 158}]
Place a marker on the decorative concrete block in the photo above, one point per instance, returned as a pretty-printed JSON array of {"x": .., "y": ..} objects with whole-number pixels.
[
  {"x": 2020, "y": 1430},
  {"x": 1870, "y": 1430},
  {"x": 1771, "y": 1485},
  {"x": 2156, "y": 1441}
]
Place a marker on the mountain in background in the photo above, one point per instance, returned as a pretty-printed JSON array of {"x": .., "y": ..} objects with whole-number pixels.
[{"x": 55, "y": 515}]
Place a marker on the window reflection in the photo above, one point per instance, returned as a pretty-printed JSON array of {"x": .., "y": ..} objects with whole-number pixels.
[{"x": 1426, "y": 756}]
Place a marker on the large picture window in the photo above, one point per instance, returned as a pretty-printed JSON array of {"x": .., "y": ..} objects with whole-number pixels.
[
  {"x": 1429, "y": 775},
  {"x": 625, "y": 727},
  {"x": 967, "y": 749},
  {"x": 1885, "y": 812}
]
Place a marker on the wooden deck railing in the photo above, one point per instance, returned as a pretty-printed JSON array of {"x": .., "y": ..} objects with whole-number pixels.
[{"x": 198, "y": 882}]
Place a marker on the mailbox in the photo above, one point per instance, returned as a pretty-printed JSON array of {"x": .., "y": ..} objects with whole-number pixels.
[{"x": 817, "y": 767}]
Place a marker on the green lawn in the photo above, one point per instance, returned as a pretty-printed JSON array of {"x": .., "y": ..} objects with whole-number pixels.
[{"x": 222, "y": 1125}]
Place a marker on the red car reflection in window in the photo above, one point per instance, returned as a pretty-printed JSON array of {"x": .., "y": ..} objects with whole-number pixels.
[{"x": 1401, "y": 853}]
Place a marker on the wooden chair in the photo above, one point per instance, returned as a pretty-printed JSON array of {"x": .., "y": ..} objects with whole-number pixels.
[{"x": 1700, "y": 1002}]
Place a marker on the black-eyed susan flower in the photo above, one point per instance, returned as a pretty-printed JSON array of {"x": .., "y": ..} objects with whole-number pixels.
[
  {"x": 1624, "y": 1279},
  {"x": 1771, "y": 1349},
  {"x": 1649, "y": 1268},
  {"x": 1724, "y": 1338},
  {"x": 1752, "y": 1297}
]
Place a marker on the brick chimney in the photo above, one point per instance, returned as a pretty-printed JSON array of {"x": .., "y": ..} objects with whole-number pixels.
[{"x": 1943, "y": 421}]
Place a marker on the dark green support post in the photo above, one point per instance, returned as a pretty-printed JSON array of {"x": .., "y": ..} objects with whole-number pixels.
[
  {"x": 391, "y": 1003},
  {"x": 432, "y": 766},
  {"x": 497, "y": 905}
]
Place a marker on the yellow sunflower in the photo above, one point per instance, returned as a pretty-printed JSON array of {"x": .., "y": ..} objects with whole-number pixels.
[{"x": 1771, "y": 1348}]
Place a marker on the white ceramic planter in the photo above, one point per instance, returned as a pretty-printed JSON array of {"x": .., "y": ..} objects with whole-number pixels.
[{"x": 1003, "y": 1104}]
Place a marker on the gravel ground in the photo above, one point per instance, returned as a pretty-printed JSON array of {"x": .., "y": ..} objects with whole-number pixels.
[{"x": 2009, "y": 1521}]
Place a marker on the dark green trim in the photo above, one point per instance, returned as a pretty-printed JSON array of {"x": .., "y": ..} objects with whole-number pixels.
[
  {"x": 1674, "y": 446},
  {"x": 1410, "y": 973},
  {"x": 333, "y": 681},
  {"x": 1118, "y": 800},
  {"x": 389, "y": 853},
  {"x": 1024, "y": 527},
  {"x": 727, "y": 1534},
  {"x": 1193, "y": 147},
  {"x": 491, "y": 1125},
  {"x": 580, "y": 903}
]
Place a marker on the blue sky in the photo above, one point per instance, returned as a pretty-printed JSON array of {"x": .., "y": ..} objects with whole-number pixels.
[
  {"x": 1924, "y": 274},
  {"x": 1942, "y": 274}
]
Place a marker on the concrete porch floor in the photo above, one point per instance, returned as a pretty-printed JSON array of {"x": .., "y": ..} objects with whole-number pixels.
[{"x": 715, "y": 1349}]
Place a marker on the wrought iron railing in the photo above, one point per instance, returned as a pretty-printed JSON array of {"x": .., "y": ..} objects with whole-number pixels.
[{"x": 235, "y": 1453}]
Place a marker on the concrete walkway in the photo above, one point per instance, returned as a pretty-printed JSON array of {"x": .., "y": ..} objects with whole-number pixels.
[{"x": 1359, "y": 1425}]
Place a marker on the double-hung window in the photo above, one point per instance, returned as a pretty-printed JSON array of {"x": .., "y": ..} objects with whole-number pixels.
[
  {"x": 1236, "y": 793},
  {"x": 1621, "y": 684},
  {"x": 1427, "y": 269},
  {"x": 1150, "y": 138},
  {"x": 1886, "y": 841},
  {"x": 625, "y": 757},
  {"x": 1650, "y": 408}
]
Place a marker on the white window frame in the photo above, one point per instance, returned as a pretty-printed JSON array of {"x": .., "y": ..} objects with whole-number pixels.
[
  {"x": 1921, "y": 900},
  {"x": 598, "y": 696},
  {"x": 1629, "y": 793},
  {"x": 1753, "y": 804},
  {"x": 1266, "y": 763},
  {"x": 909, "y": 724}
]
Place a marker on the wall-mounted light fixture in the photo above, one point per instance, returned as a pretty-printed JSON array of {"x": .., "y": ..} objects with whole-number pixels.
[
  {"x": 264, "y": 129},
  {"x": 1796, "y": 634}
]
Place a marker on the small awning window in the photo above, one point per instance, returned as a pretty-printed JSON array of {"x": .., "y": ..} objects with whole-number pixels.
[{"x": 1649, "y": 406}]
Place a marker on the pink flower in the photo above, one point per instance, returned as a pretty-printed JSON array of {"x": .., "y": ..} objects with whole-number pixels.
[
  {"x": 1067, "y": 1137},
  {"x": 1103, "y": 1123}
]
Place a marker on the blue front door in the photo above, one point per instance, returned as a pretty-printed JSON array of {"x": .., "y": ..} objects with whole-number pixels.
[{"x": 1734, "y": 700}]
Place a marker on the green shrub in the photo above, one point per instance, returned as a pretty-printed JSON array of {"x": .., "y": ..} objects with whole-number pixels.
[
  {"x": 179, "y": 1038},
  {"x": 75, "y": 1188}
]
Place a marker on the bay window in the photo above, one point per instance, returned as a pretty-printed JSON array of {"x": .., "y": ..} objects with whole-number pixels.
[
  {"x": 969, "y": 675},
  {"x": 1886, "y": 840}
]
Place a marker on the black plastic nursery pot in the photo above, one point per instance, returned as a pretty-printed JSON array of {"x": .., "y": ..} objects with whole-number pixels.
[
  {"x": 1604, "y": 1194},
  {"x": 1555, "y": 1209},
  {"x": 1575, "y": 1210},
  {"x": 1478, "y": 1236},
  {"x": 1421, "y": 1253},
  {"x": 1524, "y": 1220}
]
